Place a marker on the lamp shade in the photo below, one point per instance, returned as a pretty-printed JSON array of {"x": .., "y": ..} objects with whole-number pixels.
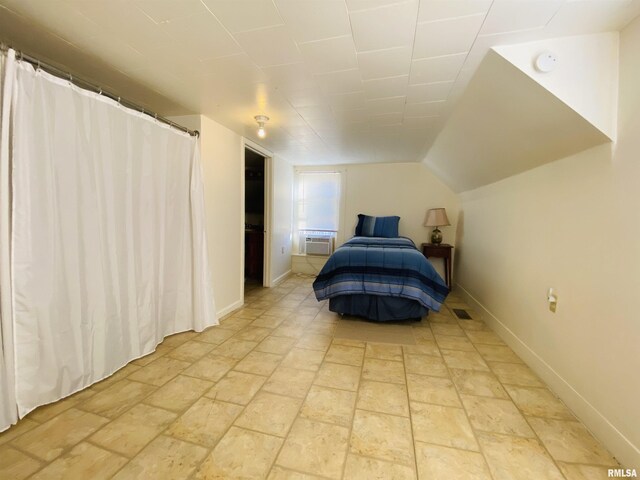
[{"x": 436, "y": 217}]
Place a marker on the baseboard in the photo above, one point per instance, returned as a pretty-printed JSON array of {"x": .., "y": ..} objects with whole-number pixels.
[
  {"x": 618, "y": 444},
  {"x": 227, "y": 310},
  {"x": 281, "y": 278}
]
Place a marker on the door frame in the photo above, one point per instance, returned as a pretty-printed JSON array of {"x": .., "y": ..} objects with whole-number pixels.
[{"x": 268, "y": 210}]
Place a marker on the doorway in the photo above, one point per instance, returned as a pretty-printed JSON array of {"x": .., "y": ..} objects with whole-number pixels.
[{"x": 254, "y": 219}]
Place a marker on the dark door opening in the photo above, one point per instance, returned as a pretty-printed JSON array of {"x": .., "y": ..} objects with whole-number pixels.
[{"x": 254, "y": 167}]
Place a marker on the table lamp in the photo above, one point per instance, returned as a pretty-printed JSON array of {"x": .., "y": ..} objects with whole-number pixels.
[{"x": 436, "y": 217}]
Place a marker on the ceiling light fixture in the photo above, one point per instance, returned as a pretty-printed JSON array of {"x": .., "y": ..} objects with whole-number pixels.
[{"x": 261, "y": 119}]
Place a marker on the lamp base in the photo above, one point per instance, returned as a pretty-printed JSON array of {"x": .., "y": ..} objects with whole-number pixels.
[{"x": 436, "y": 236}]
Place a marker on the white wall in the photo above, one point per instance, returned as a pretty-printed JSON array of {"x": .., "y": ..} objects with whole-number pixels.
[
  {"x": 574, "y": 225},
  {"x": 282, "y": 215}
]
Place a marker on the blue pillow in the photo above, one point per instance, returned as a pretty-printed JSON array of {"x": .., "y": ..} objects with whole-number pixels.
[{"x": 377, "y": 226}]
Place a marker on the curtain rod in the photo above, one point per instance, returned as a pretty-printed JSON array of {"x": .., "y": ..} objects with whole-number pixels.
[{"x": 21, "y": 56}]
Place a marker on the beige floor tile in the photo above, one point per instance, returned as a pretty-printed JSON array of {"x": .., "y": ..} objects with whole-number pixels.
[
  {"x": 15, "y": 465},
  {"x": 585, "y": 472},
  {"x": 234, "y": 323},
  {"x": 570, "y": 441},
  {"x": 329, "y": 405},
  {"x": 290, "y": 382},
  {"x": 425, "y": 365},
  {"x": 160, "y": 351},
  {"x": 472, "y": 382},
  {"x": 515, "y": 374},
  {"x": 83, "y": 461},
  {"x": 473, "y": 325},
  {"x": 383, "y": 397},
  {"x": 117, "y": 399},
  {"x": 498, "y": 353},
  {"x": 215, "y": 335},
  {"x": 234, "y": 348},
  {"x": 449, "y": 342},
  {"x": 443, "y": 463},
  {"x": 116, "y": 377},
  {"x": 446, "y": 426},
  {"x": 267, "y": 322},
  {"x": 427, "y": 348},
  {"x": 384, "y": 351},
  {"x": 349, "y": 343},
  {"x": 464, "y": 360},
  {"x": 496, "y": 415},
  {"x": 205, "y": 422},
  {"x": 439, "y": 391},
  {"x": 253, "y": 334},
  {"x": 270, "y": 414},
  {"x": 383, "y": 370},
  {"x": 345, "y": 377},
  {"x": 345, "y": 355},
  {"x": 290, "y": 331},
  {"x": 517, "y": 458},
  {"x": 47, "y": 412},
  {"x": 159, "y": 371},
  {"x": 178, "y": 339},
  {"x": 251, "y": 313},
  {"x": 240, "y": 454},
  {"x": 259, "y": 363},
  {"x": 50, "y": 439},
  {"x": 314, "y": 342},
  {"x": 279, "y": 473},
  {"x": 382, "y": 436},
  {"x": 538, "y": 402},
  {"x": 179, "y": 393},
  {"x": 486, "y": 337},
  {"x": 211, "y": 367},
  {"x": 303, "y": 359},
  {"x": 191, "y": 351},
  {"x": 423, "y": 336},
  {"x": 278, "y": 345},
  {"x": 129, "y": 433},
  {"x": 16, "y": 430},
  {"x": 165, "y": 457},
  {"x": 315, "y": 447},
  {"x": 447, "y": 329},
  {"x": 362, "y": 468},
  {"x": 237, "y": 387}
]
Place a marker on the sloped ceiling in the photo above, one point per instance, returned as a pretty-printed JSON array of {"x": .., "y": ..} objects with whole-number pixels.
[
  {"x": 504, "y": 124},
  {"x": 344, "y": 81}
]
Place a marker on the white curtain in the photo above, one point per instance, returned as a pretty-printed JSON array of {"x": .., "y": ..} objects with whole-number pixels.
[{"x": 108, "y": 243}]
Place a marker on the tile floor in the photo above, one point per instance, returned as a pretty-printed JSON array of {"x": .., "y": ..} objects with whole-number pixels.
[{"x": 271, "y": 394}]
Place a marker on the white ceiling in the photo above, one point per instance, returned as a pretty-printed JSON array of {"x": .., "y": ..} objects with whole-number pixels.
[{"x": 343, "y": 80}]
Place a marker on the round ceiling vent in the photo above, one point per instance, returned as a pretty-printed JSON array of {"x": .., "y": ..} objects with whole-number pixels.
[{"x": 546, "y": 62}]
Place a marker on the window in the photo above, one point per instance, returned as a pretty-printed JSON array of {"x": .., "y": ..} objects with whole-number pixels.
[{"x": 317, "y": 205}]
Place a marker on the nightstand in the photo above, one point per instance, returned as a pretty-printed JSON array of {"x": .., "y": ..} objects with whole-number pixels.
[{"x": 443, "y": 251}]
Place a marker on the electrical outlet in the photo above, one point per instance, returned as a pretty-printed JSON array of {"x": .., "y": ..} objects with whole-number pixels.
[{"x": 552, "y": 298}]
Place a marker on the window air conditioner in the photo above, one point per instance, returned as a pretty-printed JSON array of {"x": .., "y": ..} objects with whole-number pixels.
[{"x": 318, "y": 245}]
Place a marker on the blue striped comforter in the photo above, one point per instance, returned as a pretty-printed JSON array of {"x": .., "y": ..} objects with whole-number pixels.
[{"x": 381, "y": 266}]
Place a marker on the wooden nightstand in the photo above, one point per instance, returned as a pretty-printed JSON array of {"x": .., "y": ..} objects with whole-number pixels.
[{"x": 440, "y": 251}]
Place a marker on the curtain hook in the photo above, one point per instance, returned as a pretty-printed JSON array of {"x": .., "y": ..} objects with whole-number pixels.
[
  {"x": 119, "y": 100},
  {"x": 155, "y": 116},
  {"x": 38, "y": 67},
  {"x": 100, "y": 91}
]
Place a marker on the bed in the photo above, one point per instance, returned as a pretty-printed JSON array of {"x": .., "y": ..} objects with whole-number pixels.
[{"x": 381, "y": 279}]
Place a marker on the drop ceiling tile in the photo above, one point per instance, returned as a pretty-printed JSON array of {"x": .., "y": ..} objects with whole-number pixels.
[
  {"x": 385, "y": 27},
  {"x": 307, "y": 97},
  {"x": 244, "y": 15},
  {"x": 386, "y": 87},
  {"x": 420, "y": 123},
  {"x": 387, "y": 119},
  {"x": 510, "y": 16},
  {"x": 381, "y": 106},
  {"x": 269, "y": 46},
  {"x": 314, "y": 20},
  {"x": 347, "y": 101},
  {"x": 428, "y": 92},
  {"x": 345, "y": 81},
  {"x": 289, "y": 78},
  {"x": 233, "y": 67},
  {"x": 446, "y": 37},
  {"x": 436, "y": 69},
  {"x": 424, "y": 109},
  {"x": 431, "y": 10},
  {"x": 385, "y": 63},
  {"x": 360, "y": 116},
  {"x": 356, "y": 5},
  {"x": 315, "y": 112},
  {"x": 330, "y": 55},
  {"x": 164, "y": 10},
  {"x": 592, "y": 16},
  {"x": 201, "y": 35}
]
